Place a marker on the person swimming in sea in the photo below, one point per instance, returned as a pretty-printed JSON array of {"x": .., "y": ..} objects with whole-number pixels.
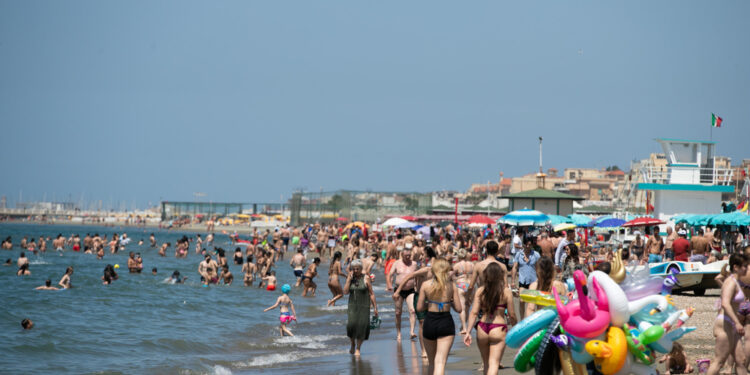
[
  {"x": 175, "y": 278},
  {"x": 109, "y": 274},
  {"x": 47, "y": 286},
  {"x": 285, "y": 305}
]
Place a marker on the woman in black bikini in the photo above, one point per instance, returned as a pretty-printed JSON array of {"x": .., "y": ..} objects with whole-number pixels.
[
  {"x": 492, "y": 326},
  {"x": 437, "y": 296}
]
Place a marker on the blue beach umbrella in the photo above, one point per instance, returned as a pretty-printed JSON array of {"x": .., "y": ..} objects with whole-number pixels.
[
  {"x": 612, "y": 222},
  {"x": 524, "y": 218},
  {"x": 732, "y": 218},
  {"x": 557, "y": 219},
  {"x": 580, "y": 220},
  {"x": 595, "y": 222}
]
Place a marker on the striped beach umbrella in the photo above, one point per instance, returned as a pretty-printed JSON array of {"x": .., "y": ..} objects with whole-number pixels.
[
  {"x": 557, "y": 219},
  {"x": 524, "y": 218}
]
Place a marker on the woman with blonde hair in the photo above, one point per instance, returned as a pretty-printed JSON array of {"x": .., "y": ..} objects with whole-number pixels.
[
  {"x": 462, "y": 271},
  {"x": 437, "y": 296}
]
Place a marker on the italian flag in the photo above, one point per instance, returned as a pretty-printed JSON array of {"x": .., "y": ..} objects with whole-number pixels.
[{"x": 716, "y": 121}]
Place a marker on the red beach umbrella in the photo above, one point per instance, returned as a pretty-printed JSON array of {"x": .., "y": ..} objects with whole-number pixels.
[
  {"x": 481, "y": 219},
  {"x": 642, "y": 221},
  {"x": 409, "y": 218}
]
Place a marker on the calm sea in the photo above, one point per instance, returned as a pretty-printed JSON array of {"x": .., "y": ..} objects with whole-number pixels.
[{"x": 140, "y": 325}]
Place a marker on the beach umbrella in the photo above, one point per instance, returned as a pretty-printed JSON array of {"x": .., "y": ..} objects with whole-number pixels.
[
  {"x": 524, "y": 218},
  {"x": 409, "y": 218},
  {"x": 406, "y": 225},
  {"x": 642, "y": 221},
  {"x": 580, "y": 220},
  {"x": 557, "y": 219},
  {"x": 394, "y": 221},
  {"x": 612, "y": 222},
  {"x": 595, "y": 222},
  {"x": 481, "y": 219},
  {"x": 681, "y": 218},
  {"x": 732, "y": 218},
  {"x": 564, "y": 226}
]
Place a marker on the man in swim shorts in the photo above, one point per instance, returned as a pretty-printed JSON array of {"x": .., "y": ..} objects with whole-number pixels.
[
  {"x": 298, "y": 263},
  {"x": 401, "y": 269}
]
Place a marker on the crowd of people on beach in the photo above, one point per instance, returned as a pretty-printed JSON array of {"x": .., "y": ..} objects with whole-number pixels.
[{"x": 476, "y": 272}]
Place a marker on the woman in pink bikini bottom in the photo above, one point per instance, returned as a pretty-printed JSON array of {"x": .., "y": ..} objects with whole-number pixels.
[{"x": 493, "y": 299}]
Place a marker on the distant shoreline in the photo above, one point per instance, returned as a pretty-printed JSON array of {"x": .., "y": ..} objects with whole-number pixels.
[{"x": 191, "y": 228}]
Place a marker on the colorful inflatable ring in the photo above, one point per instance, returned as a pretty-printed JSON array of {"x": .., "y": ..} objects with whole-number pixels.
[
  {"x": 547, "y": 359},
  {"x": 525, "y": 328},
  {"x": 583, "y": 317},
  {"x": 538, "y": 298},
  {"x": 609, "y": 356},
  {"x": 524, "y": 360}
]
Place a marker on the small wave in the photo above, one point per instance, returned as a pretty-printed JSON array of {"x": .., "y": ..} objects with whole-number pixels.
[
  {"x": 38, "y": 261},
  {"x": 221, "y": 370},
  {"x": 334, "y": 308},
  {"x": 306, "y": 342},
  {"x": 278, "y": 358}
]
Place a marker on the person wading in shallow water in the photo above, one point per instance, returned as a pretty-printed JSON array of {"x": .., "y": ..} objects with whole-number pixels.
[{"x": 401, "y": 269}]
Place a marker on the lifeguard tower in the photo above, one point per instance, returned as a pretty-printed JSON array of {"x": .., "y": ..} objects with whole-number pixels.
[{"x": 690, "y": 183}]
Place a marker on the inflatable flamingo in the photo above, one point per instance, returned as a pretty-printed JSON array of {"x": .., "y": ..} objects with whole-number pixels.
[{"x": 582, "y": 317}]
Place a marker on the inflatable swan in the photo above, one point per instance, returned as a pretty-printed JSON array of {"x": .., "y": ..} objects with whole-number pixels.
[
  {"x": 620, "y": 308},
  {"x": 582, "y": 317}
]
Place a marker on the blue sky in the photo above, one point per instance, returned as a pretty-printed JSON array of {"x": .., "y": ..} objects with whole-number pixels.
[{"x": 137, "y": 101}]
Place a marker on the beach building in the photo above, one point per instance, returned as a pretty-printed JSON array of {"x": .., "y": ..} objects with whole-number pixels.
[
  {"x": 691, "y": 180},
  {"x": 545, "y": 200}
]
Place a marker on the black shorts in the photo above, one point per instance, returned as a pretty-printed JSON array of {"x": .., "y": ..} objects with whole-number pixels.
[
  {"x": 522, "y": 285},
  {"x": 285, "y": 240},
  {"x": 437, "y": 325},
  {"x": 406, "y": 293},
  {"x": 298, "y": 273}
]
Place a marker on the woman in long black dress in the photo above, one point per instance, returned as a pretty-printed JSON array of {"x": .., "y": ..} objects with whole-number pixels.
[{"x": 360, "y": 298}]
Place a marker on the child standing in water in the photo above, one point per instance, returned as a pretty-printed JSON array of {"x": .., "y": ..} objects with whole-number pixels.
[
  {"x": 285, "y": 305},
  {"x": 270, "y": 280}
]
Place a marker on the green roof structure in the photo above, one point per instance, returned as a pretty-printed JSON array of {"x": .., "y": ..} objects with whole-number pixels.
[{"x": 542, "y": 194}]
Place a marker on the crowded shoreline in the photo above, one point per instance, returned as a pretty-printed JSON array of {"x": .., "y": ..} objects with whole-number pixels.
[{"x": 345, "y": 251}]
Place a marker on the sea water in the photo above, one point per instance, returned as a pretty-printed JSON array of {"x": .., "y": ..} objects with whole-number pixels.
[{"x": 141, "y": 325}]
